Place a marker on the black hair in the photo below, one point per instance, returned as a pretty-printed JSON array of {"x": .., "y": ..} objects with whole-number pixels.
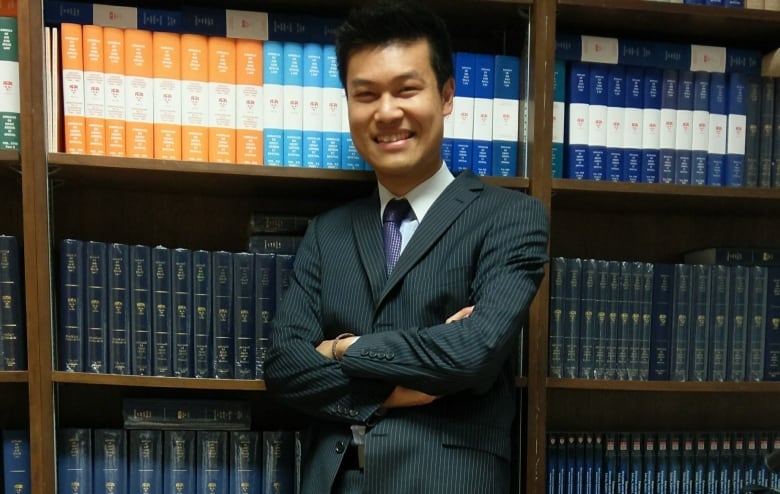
[{"x": 383, "y": 22}]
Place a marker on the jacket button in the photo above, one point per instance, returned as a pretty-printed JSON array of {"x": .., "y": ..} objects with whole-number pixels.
[{"x": 340, "y": 447}]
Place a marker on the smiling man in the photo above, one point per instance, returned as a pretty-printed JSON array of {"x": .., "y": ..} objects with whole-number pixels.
[{"x": 397, "y": 332}]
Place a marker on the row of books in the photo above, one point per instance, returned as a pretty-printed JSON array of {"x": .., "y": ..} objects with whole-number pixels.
[
  {"x": 140, "y": 310},
  {"x": 659, "y": 463},
  {"x": 13, "y": 333},
  {"x": 177, "y": 461},
  {"x": 652, "y": 321}
]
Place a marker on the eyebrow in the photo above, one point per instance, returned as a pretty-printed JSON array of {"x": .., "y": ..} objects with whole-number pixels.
[{"x": 412, "y": 74}]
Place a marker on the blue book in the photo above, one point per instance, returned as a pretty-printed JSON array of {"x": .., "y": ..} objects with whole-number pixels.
[
  {"x": 246, "y": 462},
  {"x": 649, "y": 461},
  {"x": 752, "y": 131},
  {"x": 625, "y": 336},
  {"x": 766, "y": 123},
  {"x": 292, "y": 95},
  {"x": 589, "y": 474},
  {"x": 623, "y": 474},
  {"x": 557, "y": 316},
  {"x": 209, "y": 21},
  {"x": 119, "y": 309},
  {"x": 570, "y": 469},
  {"x": 180, "y": 467},
  {"x": 687, "y": 463},
  {"x": 775, "y": 175},
  {"x": 772, "y": 324},
  {"x": 718, "y": 124},
  {"x": 244, "y": 315},
  {"x": 738, "y": 462},
  {"x": 712, "y": 478},
  {"x": 552, "y": 463},
  {"x": 579, "y": 463},
  {"x": 632, "y": 138},
  {"x": 145, "y": 460},
  {"x": 152, "y": 19},
  {"x": 301, "y": 27},
  {"x": 463, "y": 110},
  {"x": 16, "y": 461},
  {"x": 576, "y": 162},
  {"x": 610, "y": 463},
  {"x": 74, "y": 461},
  {"x": 674, "y": 464},
  {"x": 96, "y": 310},
  {"x": 651, "y": 125},
  {"x": 185, "y": 414},
  {"x": 700, "y": 126},
  {"x": 756, "y": 326},
  {"x": 662, "y": 464},
  {"x": 739, "y": 309},
  {"x": 636, "y": 468},
  {"x": 278, "y": 462},
  {"x": 635, "y": 320},
  {"x": 265, "y": 306},
  {"x": 613, "y": 319},
  {"x": 700, "y": 465},
  {"x": 110, "y": 461},
  {"x": 162, "y": 316},
  {"x": 482, "y": 132},
  {"x": 332, "y": 109},
  {"x": 571, "y": 317},
  {"x": 56, "y": 12},
  {"x": 560, "y": 481},
  {"x": 646, "y": 319},
  {"x": 284, "y": 269},
  {"x": 587, "y": 322},
  {"x": 313, "y": 108},
  {"x": 736, "y": 132},
  {"x": 212, "y": 463},
  {"x": 273, "y": 108},
  {"x": 616, "y": 122},
  {"x": 559, "y": 118},
  {"x": 681, "y": 325},
  {"x": 182, "y": 315},
  {"x": 718, "y": 322},
  {"x": 668, "y": 129},
  {"x": 601, "y": 326},
  {"x": 699, "y": 325},
  {"x": 684, "y": 138},
  {"x": 142, "y": 310},
  {"x": 598, "y": 97},
  {"x": 203, "y": 332},
  {"x": 725, "y": 458},
  {"x": 222, "y": 290},
  {"x": 12, "y": 328},
  {"x": 72, "y": 300}
]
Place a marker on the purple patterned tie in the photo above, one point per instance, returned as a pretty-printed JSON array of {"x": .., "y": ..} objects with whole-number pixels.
[{"x": 395, "y": 212}]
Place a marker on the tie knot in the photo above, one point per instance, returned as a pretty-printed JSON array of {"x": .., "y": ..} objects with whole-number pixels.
[{"x": 396, "y": 210}]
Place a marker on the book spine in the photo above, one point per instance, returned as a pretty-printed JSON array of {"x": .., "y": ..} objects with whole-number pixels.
[
  {"x": 507, "y": 75},
  {"x": 223, "y": 344},
  {"x": 482, "y": 148},
  {"x": 182, "y": 313},
  {"x": 278, "y": 462},
  {"x": 115, "y": 16},
  {"x": 12, "y": 327},
  {"x": 646, "y": 319},
  {"x": 74, "y": 460},
  {"x": 651, "y": 125},
  {"x": 718, "y": 125},
  {"x": 109, "y": 460},
  {"x": 613, "y": 319},
  {"x": 159, "y": 20},
  {"x": 243, "y": 315},
  {"x": 249, "y": 98},
  {"x": 301, "y": 27},
  {"x": 587, "y": 322},
  {"x": 601, "y": 327},
  {"x": 662, "y": 465},
  {"x": 736, "y": 131},
  {"x": 119, "y": 308},
  {"x": 203, "y": 333},
  {"x": 616, "y": 123},
  {"x": 185, "y": 414},
  {"x": 195, "y": 97},
  {"x": 96, "y": 309},
  {"x": 684, "y": 132},
  {"x": 222, "y": 99},
  {"x": 57, "y": 12},
  {"x": 700, "y": 128},
  {"x": 273, "y": 109},
  {"x": 145, "y": 461},
  {"x": 209, "y": 21},
  {"x": 668, "y": 129},
  {"x": 675, "y": 464},
  {"x": 245, "y": 462},
  {"x": 557, "y": 317},
  {"x": 718, "y": 320},
  {"x": 16, "y": 460},
  {"x": 179, "y": 458},
  {"x": 284, "y": 269},
  {"x": 73, "y": 97},
  {"x": 350, "y": 159},
  {"x": 142, "y": 310},
  {"x": 162, "y": 315},
  {"x": 678, "y": 364},
  {"x": 739, "y": 282},
  {"x": 632, "y": 138},
  {"x": 212, "y": 462},
  {"x": 577, "y": 129},
  {"x": 624, "y": 340},
  {"x": 166, "y": 81},
  {"x": 571, "y": 317},
  {"x": 94, "y": 89},
  {"x": 635, "y": 320},
  {"x": 752, "y": 131},
  {"x": 72, "y": 300},
  {"x": 559, "y": 117},
  {"x": 331, "y": 109},
  {"x": 766, "y": 131},
  {"x": 772, "y": 324},
  {"x": 246, "y": 24},
  {"x": 115, "y": 92},
  {"x": 312, "y": 105},
  {"x": 699, "y": 343},
  {"x": 598, "y": 96},
  {"x": 139, "y": 91},
  {"x": 650, "y": 463},
  {"x": 292, "y": 97},
  {"x": 756, "y": 327},
  {"x": 463, "y": 110}
]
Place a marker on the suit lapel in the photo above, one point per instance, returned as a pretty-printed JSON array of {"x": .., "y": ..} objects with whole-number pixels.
[{"x": 367, "y": 229}]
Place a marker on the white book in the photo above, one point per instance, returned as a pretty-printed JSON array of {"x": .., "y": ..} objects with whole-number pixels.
[{"x": 332, "y": 109}]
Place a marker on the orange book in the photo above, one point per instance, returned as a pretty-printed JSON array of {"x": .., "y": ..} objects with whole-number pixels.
[
  {"x": 222, "y": 100},
  {"x": 73, "y": 88},
  {"x": 8, "y": 8},
  {"x": 167, "y": 95},
  {"x": 114, "y": 70},
  {"x": 249, "y": 101},
  {"x": 94, "y": 90},
  {"x": 195, "y": 97},
  {"x": 139, "y": 109}
]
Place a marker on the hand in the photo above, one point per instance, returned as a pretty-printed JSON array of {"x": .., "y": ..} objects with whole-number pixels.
[
  {"x": 402, "y": 397},
  {"x": 461, "y": 314}
]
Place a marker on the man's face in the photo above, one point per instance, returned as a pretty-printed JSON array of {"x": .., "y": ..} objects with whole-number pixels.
[{"x": 396, "y": 112}]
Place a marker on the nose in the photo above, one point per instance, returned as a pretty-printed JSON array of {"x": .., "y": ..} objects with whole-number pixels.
[{"x": 388, "y": 109}]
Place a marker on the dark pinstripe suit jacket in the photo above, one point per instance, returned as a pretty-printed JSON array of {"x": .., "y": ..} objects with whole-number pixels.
[{"x": 478, "y": 244}]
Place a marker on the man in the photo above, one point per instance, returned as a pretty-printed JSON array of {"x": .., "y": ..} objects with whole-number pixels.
[{"x": 407, "y": 370}]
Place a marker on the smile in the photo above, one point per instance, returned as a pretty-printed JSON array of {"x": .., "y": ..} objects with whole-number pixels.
[{"x": 393, "y": 137}]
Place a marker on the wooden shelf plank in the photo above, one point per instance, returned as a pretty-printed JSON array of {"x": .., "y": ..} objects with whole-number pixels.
[
  {"x": 157, "y": 382},
  {"x": 13, "y": 376}
]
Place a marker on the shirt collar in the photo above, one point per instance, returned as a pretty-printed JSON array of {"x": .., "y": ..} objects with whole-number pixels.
[{"x": 422, "y": 197}]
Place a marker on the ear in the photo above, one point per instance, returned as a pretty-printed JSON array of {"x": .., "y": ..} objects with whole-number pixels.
[{"x": 447, "y": 94}]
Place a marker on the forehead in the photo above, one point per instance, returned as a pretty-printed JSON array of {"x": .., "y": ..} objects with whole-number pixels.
[{"x": 396, "y": 57}]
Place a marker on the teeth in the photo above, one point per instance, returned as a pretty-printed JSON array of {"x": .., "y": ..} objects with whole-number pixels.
[{"x": 391, "y": 138}]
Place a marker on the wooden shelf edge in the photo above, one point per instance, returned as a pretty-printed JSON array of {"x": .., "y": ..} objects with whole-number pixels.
[
  {"x": 157, "y": 382},
  {"x": 663, "y": 386},
  {"x": 13, "y": 376}
]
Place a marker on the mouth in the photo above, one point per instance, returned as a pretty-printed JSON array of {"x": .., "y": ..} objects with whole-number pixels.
[{"x": 391, "y": 138}]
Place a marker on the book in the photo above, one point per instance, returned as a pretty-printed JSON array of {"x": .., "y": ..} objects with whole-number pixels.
[
  {"x": 700, "y": 127},
  {"x": 10, "y": 97},
  {"x": 507, "y": 74},
  {"x": 601, "y": 326},
  {"x": 119, "y": 308},
  {"x": 772, "y": 326},
  {"x": 162, "y": 314},
  {"x": 651, "y": 125},
  {"x": 212, "y": 461},
  {"x": 114, "y": 16},
  {"x": 224, "y": 331},
  {"x": 74, "y": 460},
  {"x": 278, "y": 223},
  {"x": 756, "y": 328},
  {"x": 598, "y": 95},
  {"x": 718, "y": 125},
  {"x": 182, "y": 314},
  {"x": 72, "y": 62},
  {"x": 633, "y": 131},
  {"x": 243, "y": 315},
  {"x": 278, "y": 462},
  {"x": 718, "y": 322},
  {"x": 616, "y": 123},
  {"x": 559, "y": 117},
  {"x": 681, "y": 324},
  {"x": 752, "y": 135},
  {"x": 273, "y": 109},
  {"x": 153, "y": 19},
  {"x": 166, "y": 82},
  {"x": 145, "y": 460},
  {"x": 684, "y": 136},
  {"x": 766, "y": 132},
  {"x": 736, "y": 358},
  {"x": 292, "y": 96},
  {"x": 699, "y": 324},
  {"x": 331, "y": 109},
  {"x": 94, "y": 90},
  {"x": 12, "y": 309},
  {"x": 96, "y": 309},
  {"x": 646, "y": 319},
  {"x": 72, "y": 299},
  {"x": 139, "y": 92},
  {"x": 194, "y": 97},
  {"x": 577, "y": 114},
  {"x": 202, "y": 328},
  {"x": 736, "y": 132},
  {"x": 572, "y": 290},
  {"x": 249, "y": 102},
  {"x": 109, "y": 461},
  {"x": 222, "y": 99},
  {"x": 668, "y": 129},
  {"x": 556, "y": 317},
  {"x": 179, "y": 458},
  {"x": 16, "y": 461},
  {"x": 312, "y": 105},
  {"x": 624, "y": 341},
  {"x": 142, "y": 310},
  {"x": 613, "y": 308},
  {"x": 775, "y": 179},
  {"x": 733, "y": 256},
  {"x": 463, "y": 110},
  {"x": 276, "y": 243},
  {"x": 587, "y": 323},
  {"x": 246, "y": 462},
  {"x": 115, "y": 92},
  {"x": 484, "y": 87},
  {"x": 185, "y": 414}
]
